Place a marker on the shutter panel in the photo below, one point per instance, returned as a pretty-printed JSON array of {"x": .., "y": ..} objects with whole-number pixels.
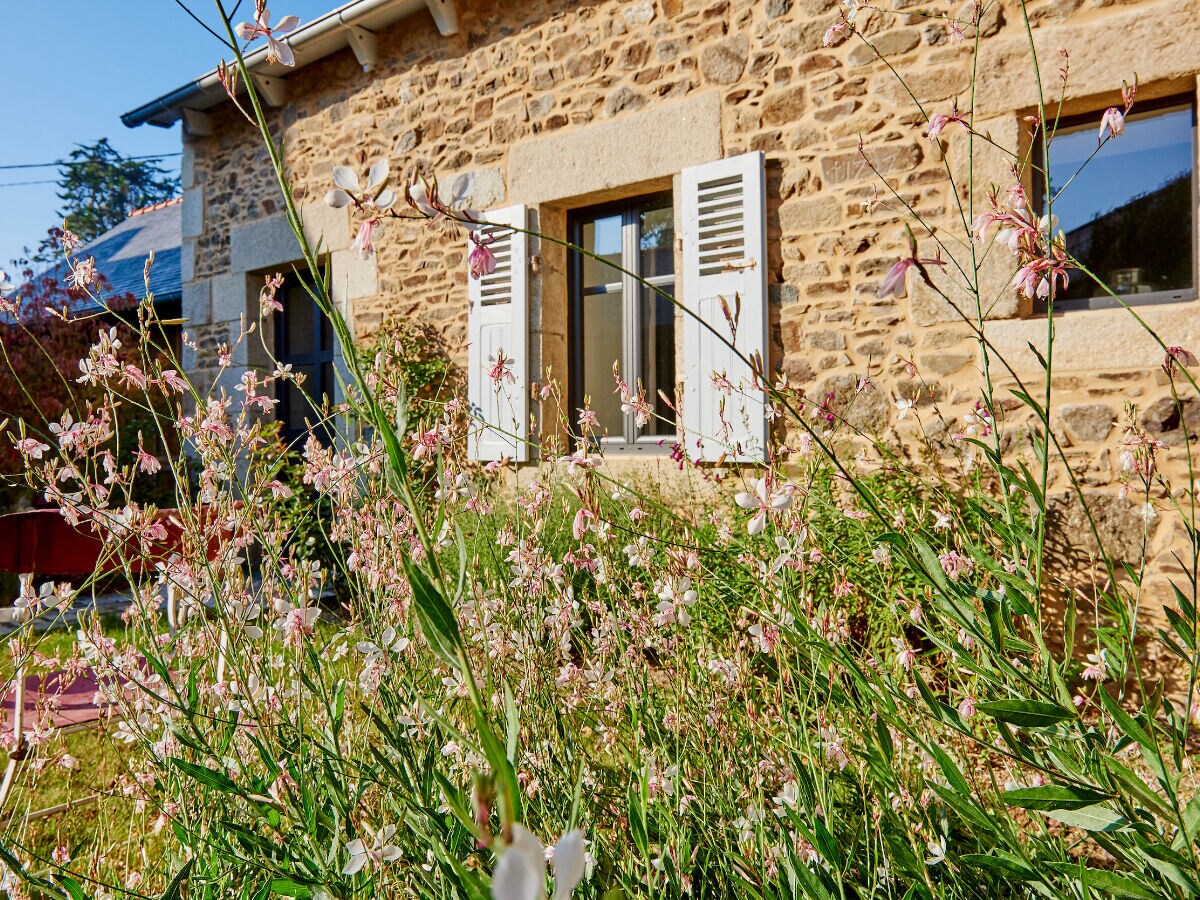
[
  {"x": 497, "y": 322},
  {"x": 724, "y": 258}
]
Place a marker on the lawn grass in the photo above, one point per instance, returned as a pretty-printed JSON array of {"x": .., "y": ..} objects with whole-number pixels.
[{"x": 107, "y": 828}]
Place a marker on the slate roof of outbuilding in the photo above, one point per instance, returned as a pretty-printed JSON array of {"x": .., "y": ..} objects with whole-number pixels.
[{"x": 121, "y": 252}]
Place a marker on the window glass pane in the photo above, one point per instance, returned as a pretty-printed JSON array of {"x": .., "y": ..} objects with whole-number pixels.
[
  {"x": 299, "y": 317},
  {"x": 658, "y": 241},
  {"x": 1128, "y": 215},
  {"x": 658, "y": 358},
  {"x": 326, "y": 330},
  {"x": 602, "y": 236},
  {"x": 602, "y": 330}
]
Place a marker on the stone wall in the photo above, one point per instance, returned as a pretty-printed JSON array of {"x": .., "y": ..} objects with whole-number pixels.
[{"x": 520, "y": 72}]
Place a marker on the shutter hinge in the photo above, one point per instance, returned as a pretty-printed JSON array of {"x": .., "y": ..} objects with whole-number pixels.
[{"x": 737, "y": 265}]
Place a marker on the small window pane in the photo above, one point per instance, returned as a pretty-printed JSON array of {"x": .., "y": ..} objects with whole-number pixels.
[
  {"x": 300, "y": 399},
  {"x": 658, "y": 241},
  {"x": 603, "y": 237},
  {"x": 602, "y": 342},
  {"x": 299, "y": 316},
  {"x": 1128, "y": 214},
  {"x": 304, "y": 340},
  {"x": 658, "y": 358}
]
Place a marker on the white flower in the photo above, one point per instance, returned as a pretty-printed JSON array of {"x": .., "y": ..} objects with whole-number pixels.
[
  {"x": 346, "y": 187},
  {"x": 763, "y": 501},
  {"x": 277, "y": 50},
  {"x": 937, "y": 851},
  {"x": 521, "y": 873},
  {"x": 942, "y": 521},
  {"x": 387, "y": 641},
  {"x": 378, "y": 853},
  {"x": 902, "y": 408},
  {"x": 6, "y": 286}
]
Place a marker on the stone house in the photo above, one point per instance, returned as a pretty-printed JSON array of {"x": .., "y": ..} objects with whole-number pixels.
[{"x": 713, "y": 146}]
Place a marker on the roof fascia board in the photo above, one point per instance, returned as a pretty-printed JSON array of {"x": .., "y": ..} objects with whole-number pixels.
[{"x": 316, "y": 40}]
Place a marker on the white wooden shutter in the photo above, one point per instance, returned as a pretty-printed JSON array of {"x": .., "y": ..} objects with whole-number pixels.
[
  {"x": 497, "y": 323},
  {"x": 724, "y": 257}
]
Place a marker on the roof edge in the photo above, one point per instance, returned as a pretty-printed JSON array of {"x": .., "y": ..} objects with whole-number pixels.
[{"x": 351, "y": 25}]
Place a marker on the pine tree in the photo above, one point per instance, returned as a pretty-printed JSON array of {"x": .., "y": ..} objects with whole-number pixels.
[{"x": 100, "y": 187}]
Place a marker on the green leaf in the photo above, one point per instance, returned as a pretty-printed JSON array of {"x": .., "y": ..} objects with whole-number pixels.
[
  {"x": 1007, "y": 865},
  {"x": 1131, "y": 729},
  {"x": 1053, "y": 797},
  {"x": 1133, "y": 784},
  {"x": 1089, "y": 818},
  {"x": 1025, "y": 713},
  {"x": 73, "y": 888},
  {"x": 1110, "y": 884},
  {"x": 1191, "y": 820},
  {"x": 218, "y": 781},
  {"x": 285, "y": 887},
  {"x": 438, "y": 623},
  {"x": 637, "y": 817},
  {"x": 502, "y": 769},
  {"x": 174, "y": 890}
]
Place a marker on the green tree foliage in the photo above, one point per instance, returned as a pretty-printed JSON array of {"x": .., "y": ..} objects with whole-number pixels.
[{"x": 99, "y": 187}]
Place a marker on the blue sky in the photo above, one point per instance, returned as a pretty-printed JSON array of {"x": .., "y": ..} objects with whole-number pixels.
[{"x": 66, "y": 79}]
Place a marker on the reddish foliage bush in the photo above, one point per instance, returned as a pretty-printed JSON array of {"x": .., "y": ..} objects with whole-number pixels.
[{"x": 43, "y": 339}]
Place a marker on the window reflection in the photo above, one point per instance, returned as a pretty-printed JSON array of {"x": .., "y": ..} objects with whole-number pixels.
[
  {"x": 616, "y": 320},
  {"x": 1128, "y": 215}
]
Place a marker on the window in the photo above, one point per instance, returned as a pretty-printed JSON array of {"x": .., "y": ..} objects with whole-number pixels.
[
  {"x": 304, "y": 340},
  {"x": 1129, "y": 215},
  {"x": 614, "y": 319}
]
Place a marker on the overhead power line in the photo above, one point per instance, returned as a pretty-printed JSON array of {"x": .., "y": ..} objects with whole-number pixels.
[
  {"x": 23, "y": 183},
  {"x": 83, "y": 162}
]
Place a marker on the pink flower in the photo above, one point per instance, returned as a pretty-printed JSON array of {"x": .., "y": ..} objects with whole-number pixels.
[
  {"x": 363, "y": 240},
  {"x": 31, "y": 447},
  {"x": 1097, "y": 668},
  {"x": 147, "y": 463},
  {"x": 895, "y": 283},
  {"x": 170, "y": 378},
  {"x": 1113, "y": 122},
  {"x": 1177, "y": 356},
  {"x": 501, "y": 369},
  {"x": 347, "y": 190},
  {"x": 266, "y": 297},
  {"x": 834, "y": 34},
  {"x": 583, "y": 523},
  {"x": 83, "y": 273},
  {"x": 938, "y": 122},
  {"x": 482, "y": 260},
  {"x": 905, "y": 655},
  {"x": 278, "y": 51}
]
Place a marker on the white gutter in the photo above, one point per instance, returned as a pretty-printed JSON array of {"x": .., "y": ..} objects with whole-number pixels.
[{"x": 354, "y": 25}]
